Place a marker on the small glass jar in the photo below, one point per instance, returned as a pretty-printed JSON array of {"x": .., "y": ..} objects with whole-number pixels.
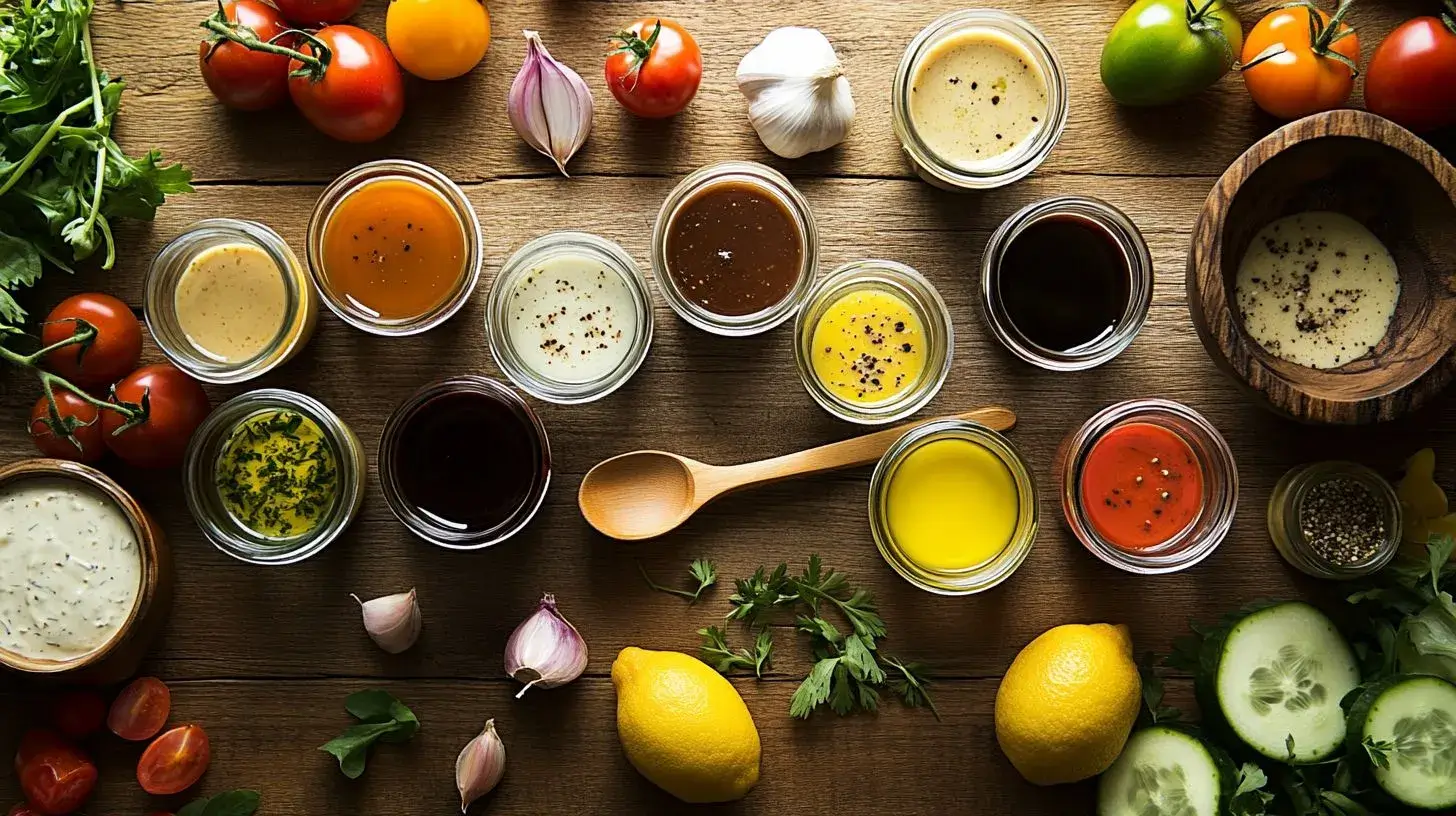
[
  {"x": 1203, "y": 534},
  {"x": 227, "y": 533},
  {"x": 1007, "y": 167},
  {"x": 982, "y": 576},
  {"x": 772, "y": 183},
  {"x": 1139, "y": 265},
  {"x": 904, "y": 283},
  {"x": 613, "y": 259},
  {"x": 300, "y": 311},
  {"x": 1286, "y": 505},
  {"x": 396, "y": 169}
]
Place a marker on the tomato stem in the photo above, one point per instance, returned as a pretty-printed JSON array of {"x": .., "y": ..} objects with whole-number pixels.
[
  {"x": 84, "y": 334},
  {"x": 225, "y": 30},
  {"x": 637, "y": 50}
]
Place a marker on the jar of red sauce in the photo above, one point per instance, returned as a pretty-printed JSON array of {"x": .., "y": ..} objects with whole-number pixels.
[{"x": 1148, "y": 486}]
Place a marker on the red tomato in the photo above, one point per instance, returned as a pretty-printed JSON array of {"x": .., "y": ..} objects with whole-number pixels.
[
  {"x": 657, "y": 76},
  {"x": 1412, "y": 77},
  {"x": 85, "y": 428},
  {"x": 114, "y": 351},
  {"x": 175, "y": 761},
  {"x": 54, "y": 775},
  {"x": 140, "y": 710},
  {"x": 78, "y": 714},
  {"x": 241, "y": 77},
  {"x": 175, "y": 405},
  {"x": 318, "y": 13},
  {"x": 22, "y": 809},
  {"x": 359, "y": 95}
]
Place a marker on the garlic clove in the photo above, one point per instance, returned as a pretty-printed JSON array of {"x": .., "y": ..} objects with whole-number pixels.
[
  {"x": 393, "y": 621},
  {"x": 545, "y": 650},
  {"x": 480, "y": 766},
  {"x": 550, "y": 105},
  {"x": 799, "y": 100}
]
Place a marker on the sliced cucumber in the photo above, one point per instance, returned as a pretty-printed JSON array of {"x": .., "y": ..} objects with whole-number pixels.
[
  {"x": 1281, "y": 672},
  {"x": 1164, "y": 772},
  {"x": 1410, "y": 723}
]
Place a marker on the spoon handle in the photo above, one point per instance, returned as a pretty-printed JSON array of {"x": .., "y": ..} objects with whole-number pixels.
[{"x": 861, "y": 450}]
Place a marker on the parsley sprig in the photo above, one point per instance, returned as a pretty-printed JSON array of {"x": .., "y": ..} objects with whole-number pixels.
[{"x": 702, "y": 570}]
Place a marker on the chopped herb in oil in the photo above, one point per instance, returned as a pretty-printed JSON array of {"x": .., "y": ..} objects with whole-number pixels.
[{"x": 278, "y": 475}]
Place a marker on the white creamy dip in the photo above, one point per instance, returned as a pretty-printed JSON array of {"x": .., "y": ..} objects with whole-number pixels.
[
  {"x": 70, "y": 568},
  {"x": 572, "y": 319}
]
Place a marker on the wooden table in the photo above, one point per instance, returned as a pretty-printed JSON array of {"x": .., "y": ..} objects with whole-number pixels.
[{"x": 264, "y": 657}]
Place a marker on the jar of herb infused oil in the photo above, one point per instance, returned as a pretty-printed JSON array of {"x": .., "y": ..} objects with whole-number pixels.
[{"x": 1335, "y": 520}]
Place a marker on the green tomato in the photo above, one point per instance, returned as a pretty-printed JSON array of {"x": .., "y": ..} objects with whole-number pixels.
[{"x": 1162, "y": 51}]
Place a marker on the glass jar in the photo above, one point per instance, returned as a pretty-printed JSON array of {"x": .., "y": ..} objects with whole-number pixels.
[
  {"x": 982, "y": 576},
  {"x": 905, "y": 284},
  {"x": 615, "y": 261},
  {"x": 160, "y": 307},
  {"x": 1139, "y": 264},
  {"x": 227, "y": 533},
  {"x": 1203, "y": 534},
  {"x": 428, "y": 177},
  {"x": 1286, "y": 504},
  {"x": 1007, "y": 167},
  {"x": 773, "y": 184}
]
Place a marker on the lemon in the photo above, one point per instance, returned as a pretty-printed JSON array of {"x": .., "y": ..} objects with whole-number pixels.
[
  {"x": 684, "y": 727},
  {"x": 1068, "y": 702}
]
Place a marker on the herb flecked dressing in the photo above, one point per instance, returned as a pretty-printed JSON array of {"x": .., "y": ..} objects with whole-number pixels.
[{"x": 278, "y": 475}]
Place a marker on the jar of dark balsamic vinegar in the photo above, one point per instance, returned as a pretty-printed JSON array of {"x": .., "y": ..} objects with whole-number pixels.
[{"x": 1066, "y": 283}]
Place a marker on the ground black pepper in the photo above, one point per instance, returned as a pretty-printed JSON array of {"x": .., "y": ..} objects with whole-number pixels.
[{"x": 1342, "y": 521}]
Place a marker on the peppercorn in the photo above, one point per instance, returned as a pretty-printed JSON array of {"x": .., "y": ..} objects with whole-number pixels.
[{"x": 1342, "y": 521}]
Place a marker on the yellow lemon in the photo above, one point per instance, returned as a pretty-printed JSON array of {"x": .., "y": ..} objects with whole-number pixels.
[
  {"x": 684, "y": 727},
  {"x": 1068, "y": 702}
]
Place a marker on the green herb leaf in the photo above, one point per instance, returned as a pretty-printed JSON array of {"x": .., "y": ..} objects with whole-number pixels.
[
  {"x": 814, "y": 691},
  {"x": 233, "y": 803},
  {"x": 371, "y": 705},
  {"x": 702, "y": 570},
  {"x": 1250, "y": 798},
  {"x": 910, "y": 684},
  {"x": 383, "y": 719},
  {"x": 717, "y": 653},
  {"x": 197, "y": 807}
]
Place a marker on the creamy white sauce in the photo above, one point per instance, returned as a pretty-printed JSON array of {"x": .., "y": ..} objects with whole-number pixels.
[
  {"x": 572, "y": 319},
  {"x": 70, "y": 568},
  {"x": 1317, "y": 289}
]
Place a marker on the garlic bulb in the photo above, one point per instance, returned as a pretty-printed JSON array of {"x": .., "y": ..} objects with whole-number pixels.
[
  {"x": 550, "y": 105},
  {"x": 545, "y": 650},
  {"x": 480, "y": 766},
  {"x": 798, "y": 96},
  {"x": 393, "y": 622}
]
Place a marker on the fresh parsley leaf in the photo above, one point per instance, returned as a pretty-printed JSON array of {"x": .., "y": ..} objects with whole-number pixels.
[
  {"x": 382, "y": 718},
  {"x": 1154, "y": 711},
  {"x": 1250, "y": 798},
  {"x": 910, "y": 684},
  {"x": 814, "y": 691},
  {"x": 758, "y": 595},
  {"x": 724, "y": 659},
  {"x": 702, "y": 571},
  {"x": 1378, "y": 751}
]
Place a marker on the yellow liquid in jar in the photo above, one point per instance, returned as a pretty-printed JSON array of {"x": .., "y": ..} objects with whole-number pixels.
[
  {"x": 977, "y": 95},
  {"x": 231, "y": 302},
  {"x": 953, "y": 505},
  {"x": 869, "y": 347}
]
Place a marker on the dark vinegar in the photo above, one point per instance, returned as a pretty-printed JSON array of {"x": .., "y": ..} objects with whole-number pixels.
[{"x": 1064, "y": 282}]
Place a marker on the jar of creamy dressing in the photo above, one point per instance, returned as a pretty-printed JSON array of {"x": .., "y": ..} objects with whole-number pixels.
[{"x": 228, "y": 301}]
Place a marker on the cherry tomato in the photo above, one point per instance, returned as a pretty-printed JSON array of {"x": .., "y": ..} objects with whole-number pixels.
[
  {"x": 437, "y": 39},
  {"x": 657, "y": 76},
  {"x": 174, "y": 761},
  {"x": 78, "y": 714},
  {"x": 175, "y": 405},
  {"x": 318, "y": 13},
  {"x": 237, "y": 75},
  {"x": 55, "y": 777},
  {"x": 81, "y": 418},
  {"x": 114, "y": 351},
  {"x": 1412, "y": 76},
  {"x": 359, "y": 95},
  {"x": 1291, "y": 74},
  {"x": 140, "y": 710}
]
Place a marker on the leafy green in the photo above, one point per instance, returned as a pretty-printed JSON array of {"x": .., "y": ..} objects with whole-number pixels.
[
  {"x": 62, "y": 177},
  {"x": 1411, "y": 628},
  {"x": 231, "y": 803},
  {"x": 701, "y": 570},
  {"x": 1250, "y": 798},
  {"x": 382, "y": 718},
  {"x": 720, "y": 656}
]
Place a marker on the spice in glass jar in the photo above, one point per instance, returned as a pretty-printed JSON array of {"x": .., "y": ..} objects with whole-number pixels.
[{"x": 1342, "y": 521}]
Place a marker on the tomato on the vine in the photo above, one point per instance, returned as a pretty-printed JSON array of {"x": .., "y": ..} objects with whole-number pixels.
[
  {"x": 55, "y": 777},
  {"x": 240, "y": 76},
  {"x": 1299, "y": 60},
  {"x": 172, "y": 405},
  {"x": 1412, "y": 76},
  {"x": 109, "y": 355},
  {"x": 437, "y": 39},
  {"x": 318, "y": 13},
  {"x": 140, "y": 710},
  {"x": 78, "y": 714},
  {"x": 654, "y": 68},
  {"x": 358, "y": 96},
  {"x": 74, "y": 416},
  {"x": 174, "y": 761}
]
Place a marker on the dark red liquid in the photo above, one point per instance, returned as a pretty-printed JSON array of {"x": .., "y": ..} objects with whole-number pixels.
[{"x": 1064, "y": 282}]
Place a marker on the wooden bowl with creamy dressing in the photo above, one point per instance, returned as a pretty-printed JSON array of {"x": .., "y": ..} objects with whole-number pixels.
[
  {"x": 51, "y": 494},
  {"x": 1393, "y": 184}
]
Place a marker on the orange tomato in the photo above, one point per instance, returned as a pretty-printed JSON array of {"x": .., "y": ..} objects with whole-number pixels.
[
  {"x": 1290, "y": 73},
  {"x": 174, "y": 761}
]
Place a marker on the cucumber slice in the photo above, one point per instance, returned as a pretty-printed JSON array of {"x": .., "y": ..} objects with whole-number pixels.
[
  {"x": 1164, "y": 772},
  {"x": 1281, "y": 673},
  {"x": 1411, "y": 723}
]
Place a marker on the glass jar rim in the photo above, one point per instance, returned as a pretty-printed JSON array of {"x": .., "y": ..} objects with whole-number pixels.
[
  {"x": 226, "y": 533},
  {"x": 1131, "y": 243},
  {"x": 360, "y": 176},
  {"x": 913, "y": 287},
  {"x": 1022, "y": 161},
  {"x": 533, "y": 252},
  {"x": 777, "y": 185}
]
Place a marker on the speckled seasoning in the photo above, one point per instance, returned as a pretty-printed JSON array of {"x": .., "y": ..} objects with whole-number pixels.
[
  {"x": 976, "y": 96},
  {"x": 869, "y": 347},
  {"x": 572, "y": 319},
  {"x": 1342, "y": 521}
]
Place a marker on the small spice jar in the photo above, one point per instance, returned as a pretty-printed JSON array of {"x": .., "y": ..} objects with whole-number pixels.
[{"x": 1335, "y": 520}]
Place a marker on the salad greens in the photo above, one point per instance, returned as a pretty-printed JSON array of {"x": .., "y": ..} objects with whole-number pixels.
[
  {"x": 382, "y": 718},
  {"x": 231, "y": 803}
]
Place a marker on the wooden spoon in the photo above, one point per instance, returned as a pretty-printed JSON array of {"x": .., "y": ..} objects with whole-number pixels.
[{"x": 646, "y": 493}]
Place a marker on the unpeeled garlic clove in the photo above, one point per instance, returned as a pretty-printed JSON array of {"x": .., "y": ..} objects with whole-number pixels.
[
  {"x": 480, "y": 766},
  {"x": 393, "y": 621},
  {"x": 549, "y": 104},
  {"x": 545, "y": 650}
]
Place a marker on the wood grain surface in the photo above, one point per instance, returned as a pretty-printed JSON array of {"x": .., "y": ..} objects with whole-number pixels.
[{"x": 264, "y": 657}]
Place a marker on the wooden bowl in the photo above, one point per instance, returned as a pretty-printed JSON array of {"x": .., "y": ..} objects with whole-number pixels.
[
  {"x": 1401, "y": 189},
  {"x": 118, "y": 658}
]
